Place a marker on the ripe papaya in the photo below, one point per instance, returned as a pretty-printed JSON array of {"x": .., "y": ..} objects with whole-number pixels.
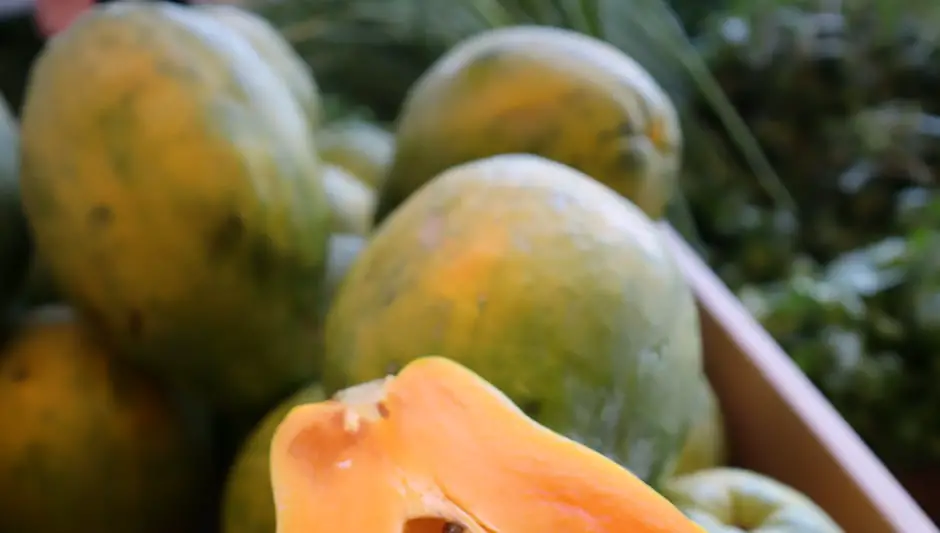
[
  {"x": 351, "y": 202},
  {"x": 276, "y": 52},
  {"x": 438, "y": 449},
  {"x": 546, "y": 283},
  {"x": 15, "y": 245},
  {"x": 169, "y": 180},
  {"x": 362, "y": 148},
  {"x": 545, "y": 91},
  {"x": 91, "y": 443},
  {"x": 248, "y": 501}
]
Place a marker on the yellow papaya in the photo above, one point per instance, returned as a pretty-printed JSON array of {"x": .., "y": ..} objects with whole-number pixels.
[
  {"x": 169, "y": 180},
  {"x": 91, "y": 443},
  {"x": 546, "y": 283},
  {"x": 546, "y": 91},
  {"x": 438, "y": 449},
  {"x": 276, "y": 52}
]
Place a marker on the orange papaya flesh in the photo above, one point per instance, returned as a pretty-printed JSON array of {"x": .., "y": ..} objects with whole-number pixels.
[{"x": 437, "y": 448}]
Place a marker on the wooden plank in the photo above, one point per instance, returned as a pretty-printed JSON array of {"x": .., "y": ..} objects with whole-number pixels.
[{"x": 781, "y": 425}]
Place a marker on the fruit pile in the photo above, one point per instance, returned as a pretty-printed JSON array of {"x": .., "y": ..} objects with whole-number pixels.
[{"x": 208, "y": 254}]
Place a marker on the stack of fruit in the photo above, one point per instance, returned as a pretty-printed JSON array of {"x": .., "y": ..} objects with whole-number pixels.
[{"x": 212, "y": 262}]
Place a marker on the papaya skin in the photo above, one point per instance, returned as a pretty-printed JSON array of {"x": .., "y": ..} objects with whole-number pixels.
[
  {"x": 169, "y": 180},
  {"x": 730, "y": 500},
  {"x": 545, "y": 91},
  {"x": 351, "y": 202},
  {"x": 363, "y": 149},
  {"x": 705, "y": 446},
  {"x": 89, "y": 440},
  {"x": 429, "y": 446},
  {"x": 546, "y": 283},
  {"x": 276, "y": 52}
]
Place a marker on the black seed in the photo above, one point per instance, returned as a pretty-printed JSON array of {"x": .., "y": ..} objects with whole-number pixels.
[{"x": 453, "y": 527}]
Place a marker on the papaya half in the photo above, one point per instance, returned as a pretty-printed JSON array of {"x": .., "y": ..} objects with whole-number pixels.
[
  {"x": 546, "y": 283},
  {"x": 91, "y": 443},
  {"x": 546, "y": 91},
  {"x": 276, "y": 52},
  {"x": 170, "y": 182},
  {"x": 438, "y": 449},
  {"x": 15, "y": 244}
]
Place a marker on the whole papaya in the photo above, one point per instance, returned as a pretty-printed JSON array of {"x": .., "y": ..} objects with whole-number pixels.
[
  {"x": 549, "y": 285},
  {"x": 540, "y": 90},
  {"x": 169, "y": 179},
  {"x": 91, "y": 443}
]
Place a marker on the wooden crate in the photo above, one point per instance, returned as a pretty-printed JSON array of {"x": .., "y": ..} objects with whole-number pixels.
[{"x": 779, "y": 424}]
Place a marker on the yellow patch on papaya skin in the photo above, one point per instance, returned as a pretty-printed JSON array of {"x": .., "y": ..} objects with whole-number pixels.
[{"x": 441, "y": 450}]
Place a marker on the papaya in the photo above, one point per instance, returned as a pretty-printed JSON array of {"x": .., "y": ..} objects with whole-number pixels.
[
  {"x": 546, "y": 283},
  {"x": 705, "y": 443},
  {"x": 362, "y": 148},
  {"x": 351, "y": 202},
  {"x": 426, "y": 449},
  {"x": 248, "y": 501},
  {"x": 90, "y": 442},
  {"x": 169, "y": 180},
  {"x": 546, "y": 91},
  {"x": 15, "y": 244},
  {"x": 276, "y": 52},
  {"x": 731, "y": 500}
]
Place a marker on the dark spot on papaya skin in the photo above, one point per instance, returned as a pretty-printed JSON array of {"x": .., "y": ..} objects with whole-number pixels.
[
  {"x": 226, "y": 236},
  {"x": 19, "y": 373},
  {"x": 623, "y": 129},
  {"x": 135, "y": 323},
  {"x": 453, "y": 527},
  {"x": 262, "y": 259},
  {"x": 100, "y": 216}
]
